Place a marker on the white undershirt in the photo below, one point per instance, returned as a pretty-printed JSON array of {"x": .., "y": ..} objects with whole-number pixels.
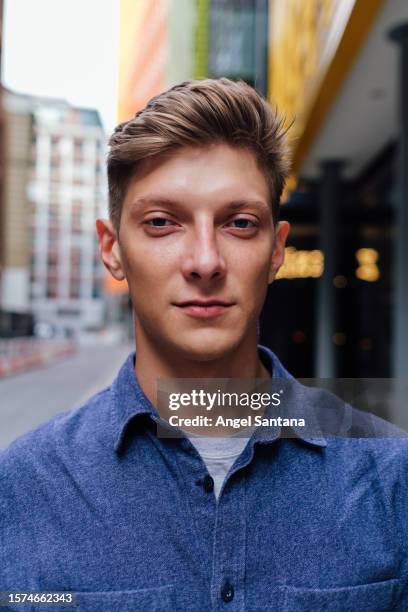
[{"x": 219, "y": 453}]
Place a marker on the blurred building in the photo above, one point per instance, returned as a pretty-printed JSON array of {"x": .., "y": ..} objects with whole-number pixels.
[
  {"x": 334, "y": 69},
  {"x": 238, "y": 41},
  {"x": 165, "y": 42},
  {"x": 157, "y": 48},
  {"x": 55, "y": 188},
  {"x": 16, "y": 239},
  {"x": 1, "y": 136}
]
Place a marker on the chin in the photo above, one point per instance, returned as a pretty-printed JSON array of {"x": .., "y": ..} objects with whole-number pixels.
[{"x": 208, "y": 348}]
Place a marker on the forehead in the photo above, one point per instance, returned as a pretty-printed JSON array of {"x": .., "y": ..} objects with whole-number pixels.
[{"x": 213, "y": 172}]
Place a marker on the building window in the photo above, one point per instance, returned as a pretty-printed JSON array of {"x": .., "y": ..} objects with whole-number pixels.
[
  {"x": 78, "y": 149},
  {"x": 96, "y": 290},
  {"x": 55, "y": 161},
  {"x": 51, "y": 287},
  {"x": 53, "y": 234},
  {"x": 52, "y": 258},
  {"x": 74, "y": 288},
  {"x": 75, "y": 257},
  {"x": 76, "y": 219},
  {"x": 53, "y": 215}
]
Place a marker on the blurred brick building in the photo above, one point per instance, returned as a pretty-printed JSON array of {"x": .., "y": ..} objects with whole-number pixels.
[{"x": 55, "y": 187}]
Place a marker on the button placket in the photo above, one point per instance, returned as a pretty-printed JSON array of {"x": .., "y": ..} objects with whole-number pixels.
[
  {"x": 229, "y": 551},
  {"x": 200, "y": 507}
]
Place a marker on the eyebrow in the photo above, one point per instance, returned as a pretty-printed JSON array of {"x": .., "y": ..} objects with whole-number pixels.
[{"x": 233, "y": 205}]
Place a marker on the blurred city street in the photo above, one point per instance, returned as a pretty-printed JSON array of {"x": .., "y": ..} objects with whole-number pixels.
[{"x": 33, "y": 397}]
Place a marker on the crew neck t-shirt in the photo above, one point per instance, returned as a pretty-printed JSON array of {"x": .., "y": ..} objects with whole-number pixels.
[{"x": 219, "y": 453}]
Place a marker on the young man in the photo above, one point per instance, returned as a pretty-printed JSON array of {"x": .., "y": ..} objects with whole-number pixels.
[{"x": 96, "y": 503}]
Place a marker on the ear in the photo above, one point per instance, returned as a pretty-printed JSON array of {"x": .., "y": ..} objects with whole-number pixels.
[
  {"x": 109, "y": 248},
  {"x": 278, "y": 254}
]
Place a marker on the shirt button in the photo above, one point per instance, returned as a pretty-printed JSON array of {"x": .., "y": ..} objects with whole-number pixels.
[
  {"x": 208, "y": 484},
  {"x": 227, "y": 592}
]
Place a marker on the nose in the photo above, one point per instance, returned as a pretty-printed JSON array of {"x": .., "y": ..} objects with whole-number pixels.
[{"x": 202, "y": 257}]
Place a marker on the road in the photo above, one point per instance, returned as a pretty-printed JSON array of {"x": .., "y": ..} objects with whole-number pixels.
[{"x": 28, "y": 399}]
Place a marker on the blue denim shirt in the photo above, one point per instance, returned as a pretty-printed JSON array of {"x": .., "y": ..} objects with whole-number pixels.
[{"x": 95, "y": 503}]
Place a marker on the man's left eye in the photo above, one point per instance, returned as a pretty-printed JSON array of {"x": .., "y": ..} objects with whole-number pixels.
[
  {"x": 158, "y": 222},
  {"x": 244, "y": 223}
]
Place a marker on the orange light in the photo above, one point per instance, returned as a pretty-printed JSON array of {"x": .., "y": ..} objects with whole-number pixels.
[{"x": 113, "y": 286}]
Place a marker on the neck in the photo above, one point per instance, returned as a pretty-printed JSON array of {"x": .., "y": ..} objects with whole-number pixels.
[{"x": 153, "y": 363}]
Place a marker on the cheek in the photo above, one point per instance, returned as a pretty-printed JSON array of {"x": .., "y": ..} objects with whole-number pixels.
[
  {"x": 253, "y": 265},
  {"x": 147, "y": 267}
]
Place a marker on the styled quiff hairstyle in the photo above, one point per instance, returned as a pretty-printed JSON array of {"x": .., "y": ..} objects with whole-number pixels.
[{"x": 198, "y": 113}]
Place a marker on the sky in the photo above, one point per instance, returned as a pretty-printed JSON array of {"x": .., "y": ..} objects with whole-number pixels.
[{"x": 66, "y": 49}]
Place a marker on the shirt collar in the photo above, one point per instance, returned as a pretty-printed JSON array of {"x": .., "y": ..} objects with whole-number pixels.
[
  {"x": 130, "y": 403},
  {"x": 297, "y": 403}
]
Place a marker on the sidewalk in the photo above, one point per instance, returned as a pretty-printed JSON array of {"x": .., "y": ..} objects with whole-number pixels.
[{"x": 22, "y": 354}]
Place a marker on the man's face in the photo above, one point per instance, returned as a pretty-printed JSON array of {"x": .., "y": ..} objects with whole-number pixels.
[{"x": 196, "y": 226}]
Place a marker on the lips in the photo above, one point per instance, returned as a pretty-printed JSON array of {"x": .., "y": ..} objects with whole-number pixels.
[
  {"x": 204, "y": 303},
  {"x": 204, "y": 309}
]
